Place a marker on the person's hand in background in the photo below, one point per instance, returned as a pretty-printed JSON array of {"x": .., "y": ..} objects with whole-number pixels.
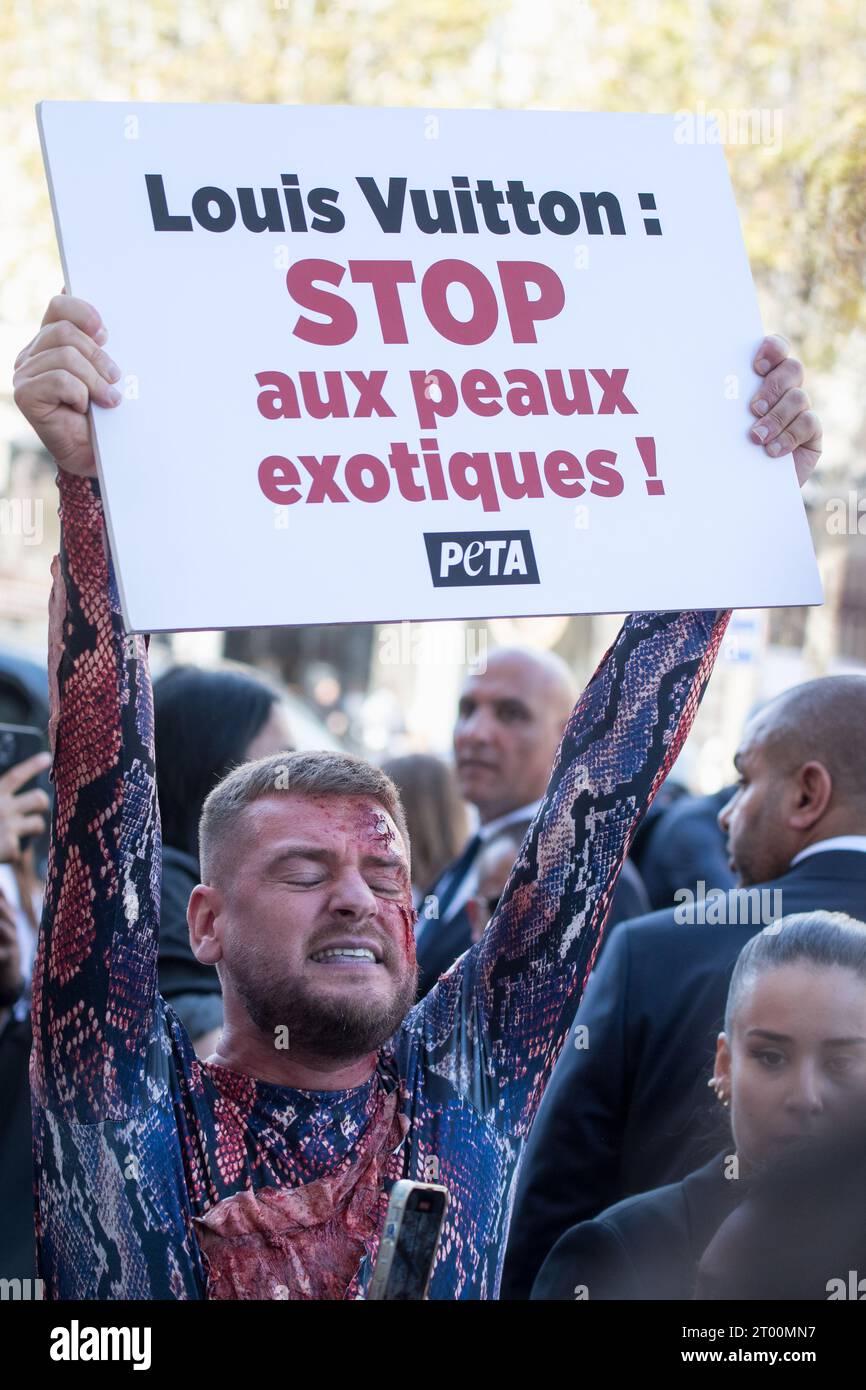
[{"x": 21, "y": 813}]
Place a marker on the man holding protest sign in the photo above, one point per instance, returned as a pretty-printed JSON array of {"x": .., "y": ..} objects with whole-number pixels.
[{"x": 264, "y": 1171}]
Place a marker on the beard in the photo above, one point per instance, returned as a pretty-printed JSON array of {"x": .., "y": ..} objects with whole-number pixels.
[{"x": 340, "y": 1029}]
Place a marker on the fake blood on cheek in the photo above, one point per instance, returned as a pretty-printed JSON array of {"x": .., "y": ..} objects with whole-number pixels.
[
  {"x": 409, "y": 915},
  {"x": 374, "y": 825}
]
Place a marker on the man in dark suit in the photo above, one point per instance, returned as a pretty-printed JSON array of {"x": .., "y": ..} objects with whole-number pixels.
[
  {"x": 510, "y": 720},
  {"x": 687, "y": 847},
  {"x": 625, "y": 1109}
]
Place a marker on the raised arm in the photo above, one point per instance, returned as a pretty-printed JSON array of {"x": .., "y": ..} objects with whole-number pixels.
[
  {"x": 94, "y": 984},
  {"x": 500, "y": 1017},
  {"x": 497, "y": 1021}
]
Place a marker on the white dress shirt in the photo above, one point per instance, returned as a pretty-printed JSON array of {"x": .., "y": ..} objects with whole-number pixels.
[
  {"x": 856, "y": 842},
  {"x": 488, "y": 833}
]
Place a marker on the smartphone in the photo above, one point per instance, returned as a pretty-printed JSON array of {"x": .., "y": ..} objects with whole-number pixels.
[
  {"x": 18, "y": 742},
  {"x": 409, "y": 1241}
]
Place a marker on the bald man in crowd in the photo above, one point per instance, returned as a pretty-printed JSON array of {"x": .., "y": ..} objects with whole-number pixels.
[
  {"x": 627, "y": 1108},
  {"x": 510, "y": 719}
]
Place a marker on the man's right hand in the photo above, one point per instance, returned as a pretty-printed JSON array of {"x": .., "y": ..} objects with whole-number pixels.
[{"x": 57, "y": 377}]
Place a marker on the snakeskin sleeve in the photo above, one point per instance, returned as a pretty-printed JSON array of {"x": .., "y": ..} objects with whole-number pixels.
[
  {"x": 94, "y": 984},
  {"x": 497, "y": 1022}
]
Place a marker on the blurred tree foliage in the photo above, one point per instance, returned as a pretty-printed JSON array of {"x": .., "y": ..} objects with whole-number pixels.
[
  {"x": 802, "y": 196},
  {"x": 382, "y": 52},
  {"x": 798, "y": 64}
]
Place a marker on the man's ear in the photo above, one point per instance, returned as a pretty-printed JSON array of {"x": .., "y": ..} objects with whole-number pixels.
[
  {"x": 813, "y": 792},
  {"x": 205, "y": 906}
]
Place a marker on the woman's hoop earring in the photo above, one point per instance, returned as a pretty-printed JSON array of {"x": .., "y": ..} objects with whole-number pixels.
[{"x": 716, "y": 1086}]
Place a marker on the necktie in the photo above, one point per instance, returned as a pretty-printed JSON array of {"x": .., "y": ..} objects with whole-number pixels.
[{"x": 450, "y": 881}]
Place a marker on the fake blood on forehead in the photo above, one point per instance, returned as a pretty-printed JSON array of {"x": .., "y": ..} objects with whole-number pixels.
[{"x": 373, "y": 824}]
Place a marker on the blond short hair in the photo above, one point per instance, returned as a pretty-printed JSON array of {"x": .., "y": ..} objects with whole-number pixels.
[{"x": 311, "y": 773}]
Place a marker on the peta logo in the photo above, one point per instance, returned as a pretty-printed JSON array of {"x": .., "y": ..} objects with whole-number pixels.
[{"x": 463, "y": 558}]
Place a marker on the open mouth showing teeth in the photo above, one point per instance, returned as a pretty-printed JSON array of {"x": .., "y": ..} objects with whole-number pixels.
[{"x": 349, "y": 953}]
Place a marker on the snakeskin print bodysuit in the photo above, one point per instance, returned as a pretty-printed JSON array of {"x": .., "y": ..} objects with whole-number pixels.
[{"x": 158, "y": 1174}]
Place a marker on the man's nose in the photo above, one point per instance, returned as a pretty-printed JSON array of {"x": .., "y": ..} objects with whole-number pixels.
[
  {"x": 352, "y": 897},
  {"x": 476, "y": 727},
  {"x": 724, "y": 816}
]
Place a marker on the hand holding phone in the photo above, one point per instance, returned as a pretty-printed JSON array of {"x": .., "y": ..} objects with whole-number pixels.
[
  {"x": 409, "y": 1241},
  {"x": 22, "y": 809}
]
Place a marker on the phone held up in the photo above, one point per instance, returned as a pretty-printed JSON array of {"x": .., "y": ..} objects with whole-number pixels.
[{"x": 409, "y": 1241}]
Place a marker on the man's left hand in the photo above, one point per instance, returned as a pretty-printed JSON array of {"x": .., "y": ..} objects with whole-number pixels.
[{"x": 785, "y": 420}]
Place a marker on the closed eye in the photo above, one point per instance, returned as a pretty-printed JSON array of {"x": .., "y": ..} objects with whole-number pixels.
[{"x": 387, "y": 890}]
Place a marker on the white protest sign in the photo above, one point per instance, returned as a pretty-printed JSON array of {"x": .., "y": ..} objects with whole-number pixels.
[{"x": 394, "y": 364}]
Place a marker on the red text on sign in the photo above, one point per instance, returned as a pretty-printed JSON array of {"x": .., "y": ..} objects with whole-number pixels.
[{"x": 311, "y": 284}]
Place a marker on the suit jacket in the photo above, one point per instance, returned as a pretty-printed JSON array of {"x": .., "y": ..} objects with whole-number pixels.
[
  {"x": 631, "y": 1110},
  {"x": 443, "y": 942},
  {"x": 17, "y": 1234},
  {"x": 685, "y": 847},
  {"x": 800, "y": 1233},
  {"x": 647, "y": 1247}
]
